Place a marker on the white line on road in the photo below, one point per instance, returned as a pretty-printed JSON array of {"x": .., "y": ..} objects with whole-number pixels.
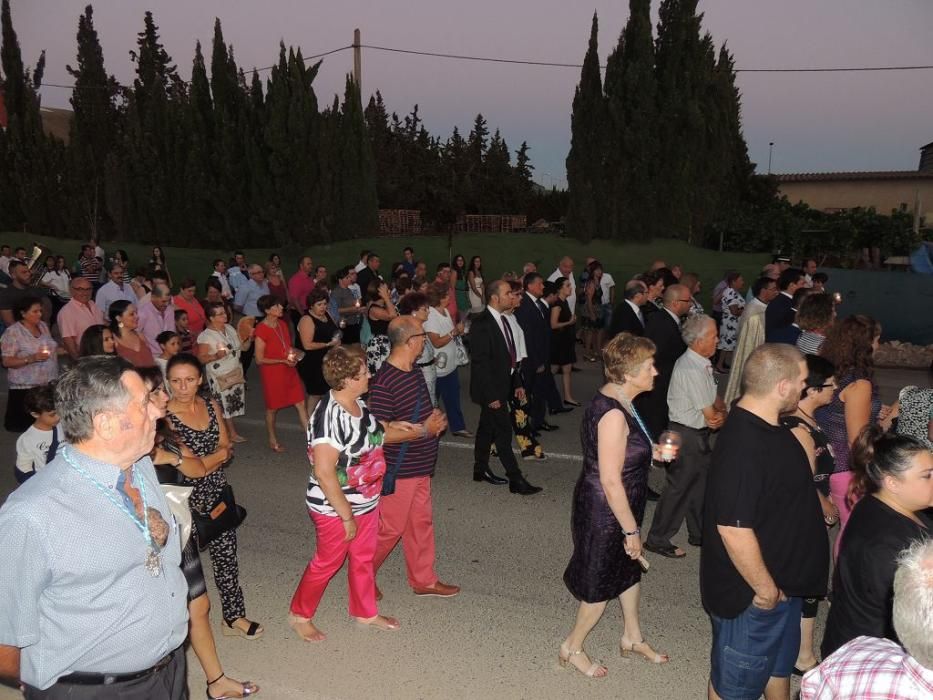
[{"x": 444, "y": 443}]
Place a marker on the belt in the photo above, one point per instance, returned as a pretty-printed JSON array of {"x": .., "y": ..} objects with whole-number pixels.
[
  {"x": 704, "y": 431},
  {"x": 424, "y": 364},
  {"x": 81, "y": 678}
]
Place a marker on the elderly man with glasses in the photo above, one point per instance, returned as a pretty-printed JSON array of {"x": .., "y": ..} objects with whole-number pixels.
[
  {"x": 248, "y": 294},
  {"x": 78, "y": 315}
]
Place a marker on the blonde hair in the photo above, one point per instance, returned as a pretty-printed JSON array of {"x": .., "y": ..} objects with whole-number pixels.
[
  {"x": 342, "y": 363},
  {"x": 624, "y": 354}
]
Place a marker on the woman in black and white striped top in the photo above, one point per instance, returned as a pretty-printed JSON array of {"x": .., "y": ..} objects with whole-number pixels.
[{"x": 347, "y": 465}]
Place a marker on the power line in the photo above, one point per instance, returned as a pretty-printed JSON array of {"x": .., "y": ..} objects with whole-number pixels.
[
  {"x": 553, "y": 64},
  {"x": 188, "y": 82}
]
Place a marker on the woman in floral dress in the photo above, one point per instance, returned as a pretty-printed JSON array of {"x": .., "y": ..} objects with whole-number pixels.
[
  {"x": 219, "y": 348},
  {"x": 733, "y": 304},
  {"x": 347, "y": 465}
]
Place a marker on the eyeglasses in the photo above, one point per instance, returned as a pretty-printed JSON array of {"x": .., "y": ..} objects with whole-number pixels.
[
  {"x": 417, "y": 335},
  {"x": 827, "y": 386},
  {"x": 685, "y": 301},
  {"x": 82, "y": 289}
]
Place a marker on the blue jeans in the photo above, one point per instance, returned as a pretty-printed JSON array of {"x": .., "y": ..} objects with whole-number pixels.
[
  {"x": 750, "y": 649},
  {"x": 448, "y": 391}
]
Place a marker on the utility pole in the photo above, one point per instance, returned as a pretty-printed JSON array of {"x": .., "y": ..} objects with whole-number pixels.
[
  {"x": 770, "y": 151},
  {"x": 357, "y": 61}
]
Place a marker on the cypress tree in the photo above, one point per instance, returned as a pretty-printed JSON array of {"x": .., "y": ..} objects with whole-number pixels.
[
  {"x": 586, "y": 160},
  {"x": 93, "y": 127},
  {"x": 632, "y": 141},
  {"x": 679, "y": 56},
  {"x": 357, "y": 202}
]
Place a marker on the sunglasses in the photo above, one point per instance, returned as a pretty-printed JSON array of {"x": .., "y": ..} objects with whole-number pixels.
[{"x": 418, "y": 335}]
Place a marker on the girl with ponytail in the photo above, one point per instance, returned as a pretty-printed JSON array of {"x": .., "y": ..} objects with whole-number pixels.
[{"x": 893, "y": 477}]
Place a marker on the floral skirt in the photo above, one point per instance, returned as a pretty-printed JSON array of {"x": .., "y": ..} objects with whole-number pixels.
[{"x": 232, "y": 401}]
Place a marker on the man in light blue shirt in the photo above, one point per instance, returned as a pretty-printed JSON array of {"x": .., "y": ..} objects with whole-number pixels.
[
  {"x": 114, "y": 290},
  {"x": 248, "y": 294},
  {"x": 92, "y": 589}
]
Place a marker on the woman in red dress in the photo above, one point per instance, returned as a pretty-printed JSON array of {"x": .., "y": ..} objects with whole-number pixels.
[{"x": 281, "y": 385}]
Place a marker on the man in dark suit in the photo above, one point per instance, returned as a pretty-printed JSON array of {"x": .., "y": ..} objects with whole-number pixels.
[
  {"x": 780, "y": 313},
  {"x": 533, "y": 316},
  {"x": 789, "y": 334},
  {"x": 627, "y": 315},
  {"x": 494, "y": 377},
  {"x": 368, "y": 274},
  {"x": 664, "y": 329}
]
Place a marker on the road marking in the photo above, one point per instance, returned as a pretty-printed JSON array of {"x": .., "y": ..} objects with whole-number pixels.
[{"x": 444, "y": 443}]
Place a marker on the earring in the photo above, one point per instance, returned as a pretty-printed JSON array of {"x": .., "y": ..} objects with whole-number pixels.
[{"x": 120, "y": 324}]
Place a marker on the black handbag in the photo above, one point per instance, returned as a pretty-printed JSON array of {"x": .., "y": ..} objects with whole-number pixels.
[{"x": 224, "y": 515}]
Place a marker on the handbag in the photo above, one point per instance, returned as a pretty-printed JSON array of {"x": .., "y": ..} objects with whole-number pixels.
[
  {"x": 177, "y": 497},
  {"x": 388, "y": 480},
  {"x": 463, "y": 357},
  {"x": 224, "y": 515},
  {"x": 230, "y": 379}
]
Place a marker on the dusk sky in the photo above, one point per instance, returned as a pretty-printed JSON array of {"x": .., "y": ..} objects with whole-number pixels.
[{"x": 818, "y": 122}]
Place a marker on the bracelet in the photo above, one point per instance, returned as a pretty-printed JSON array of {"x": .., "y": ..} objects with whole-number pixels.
[{"x": 636, "y": 531}]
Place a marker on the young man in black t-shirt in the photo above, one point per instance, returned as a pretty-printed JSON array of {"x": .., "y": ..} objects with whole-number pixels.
[{"x": 764, "y": 541}]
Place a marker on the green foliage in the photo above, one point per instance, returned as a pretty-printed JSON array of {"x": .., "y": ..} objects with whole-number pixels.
[
  {"x": 586, "y": 162},
  {"x": 660, "y": 151}
]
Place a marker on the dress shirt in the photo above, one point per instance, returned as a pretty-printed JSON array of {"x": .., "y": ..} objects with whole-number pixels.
[
  {"x": 692, "y": 389},
  {"x": 518, "y": 335},
  {"x": 300, "y": 285},
  {"x": 236, "y": 279},
  {"x": 224, "y": 284},
  {"x": 152, "y": 322},
  {"x": 112, "y": 292},
  {"x": 572, "y": 297},
  {"x": 868, "y": 668},
  {"x": 497, "y": 317},
  {"x": 248, "y": 294},
  {"x": 5, "y": 264},
  {"x": 359, "y": 266},
  {"x": 76, "y": 593},
  {"x": 637, "y": 309},
  {"x": 75, "y": 318}
]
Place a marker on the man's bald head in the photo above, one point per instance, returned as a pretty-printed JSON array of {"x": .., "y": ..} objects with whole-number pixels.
[{"x": 401, "y": 328}]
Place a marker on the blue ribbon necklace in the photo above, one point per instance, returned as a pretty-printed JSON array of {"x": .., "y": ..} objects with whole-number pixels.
[{"x": 152, "y": 562}]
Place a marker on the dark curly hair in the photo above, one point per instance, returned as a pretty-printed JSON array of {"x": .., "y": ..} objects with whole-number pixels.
[{"x": 849, "y": 346}]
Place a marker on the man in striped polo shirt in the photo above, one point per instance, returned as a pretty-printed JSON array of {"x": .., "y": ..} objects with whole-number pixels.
[{"x": 398, "y": 393}]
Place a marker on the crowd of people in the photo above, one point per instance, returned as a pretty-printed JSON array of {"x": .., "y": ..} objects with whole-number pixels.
[{"x": 127, "y": 394}]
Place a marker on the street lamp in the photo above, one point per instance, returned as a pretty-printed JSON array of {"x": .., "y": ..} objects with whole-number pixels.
[{"x": 770, "y": 151}]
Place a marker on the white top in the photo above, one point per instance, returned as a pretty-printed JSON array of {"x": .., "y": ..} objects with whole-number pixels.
[
  {"x": 33, "y": 446},
  {"x": 692, "y": 389},
  {"x": 225, "y": 290},
  {"x": 441, "y": 324},
  {"x": 606, "y": 283},
  {"x": 359, "y": 266},
  {"x": 572, "y": 297},
  {"x": 59, "y": 281}
]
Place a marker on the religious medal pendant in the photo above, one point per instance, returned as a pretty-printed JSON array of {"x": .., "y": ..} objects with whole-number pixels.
[{"x": 153, "y": 563}]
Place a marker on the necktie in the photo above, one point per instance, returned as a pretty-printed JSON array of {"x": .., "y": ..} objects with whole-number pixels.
[
  {"x": 542, "y": 307},
  {"x": 509, "y": 340}
]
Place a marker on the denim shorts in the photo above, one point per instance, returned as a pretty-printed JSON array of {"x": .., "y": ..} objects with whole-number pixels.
[{"x": 753, "y": 647}]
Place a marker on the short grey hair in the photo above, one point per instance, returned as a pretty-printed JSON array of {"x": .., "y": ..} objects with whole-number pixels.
[
  {"x": 913, "y": 601},
  {"x": 159, "y": 291},
  {"x": 94, "y": 385},
  {"x": 401, "y": 328},
  {"x": 696, "y": 327}
]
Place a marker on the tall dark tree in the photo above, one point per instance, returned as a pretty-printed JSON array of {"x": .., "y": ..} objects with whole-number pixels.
[
  {"x": 586, "y": 169},
  {"x": 356, "y": 203},
  {"x": 94, "y": 126},
  {"x": 681, "y": 67},
  {"x": 632, "y": 143}
]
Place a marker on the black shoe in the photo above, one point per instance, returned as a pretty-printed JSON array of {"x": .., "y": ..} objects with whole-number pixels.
[
  {"x": 490, "y": 478},
  {"x": 547, "y": 427},
  {"x": 652, "y": 494},
  {"x": 665, "y": 550},
  {"x": 562, "y": 409},
  {"x": 522, "y": 487},
  {"x": 695, "y": 541},
  {"x": 575, "y": 369}
]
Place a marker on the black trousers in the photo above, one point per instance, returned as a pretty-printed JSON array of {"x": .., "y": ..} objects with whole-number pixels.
[
  {"x": 537, "y": 396},
  {"x": 686, "y": 485},
  {"x": 495, "y": 427},
  {"x": 169, "y": 683}
]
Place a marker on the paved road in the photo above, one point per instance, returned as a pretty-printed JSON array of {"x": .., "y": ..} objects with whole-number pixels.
[{"x": 499, "y": 638}]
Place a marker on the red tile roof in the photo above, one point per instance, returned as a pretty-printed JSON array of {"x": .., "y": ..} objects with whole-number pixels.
[{"x": 855, "y": 175}]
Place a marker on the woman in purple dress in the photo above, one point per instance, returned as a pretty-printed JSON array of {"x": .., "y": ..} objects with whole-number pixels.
[{"x": 609, "y": 504}]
